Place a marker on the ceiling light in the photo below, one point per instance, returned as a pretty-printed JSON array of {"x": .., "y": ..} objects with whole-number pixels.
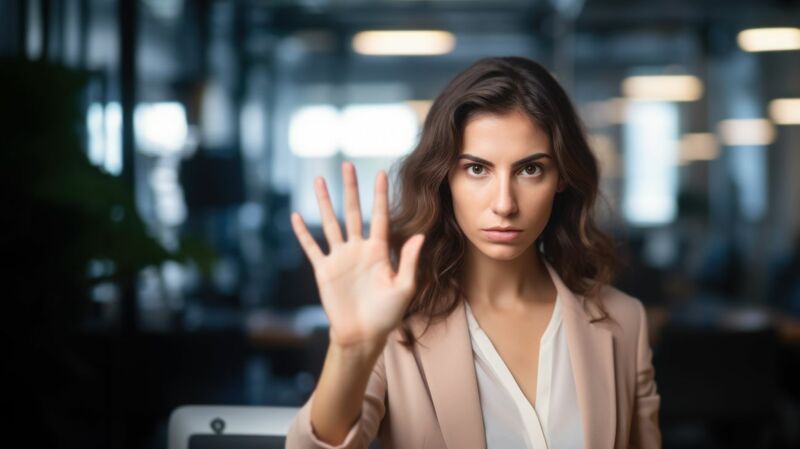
[
  {"x": 746, "y": 132},
  {"x": 662, "y": 88},
  {"x": 405, "y": 42},
  {"x": 769, "y": 39},
  {"x": 785, "y": 111},
  {"x": 698, "y": 147}
]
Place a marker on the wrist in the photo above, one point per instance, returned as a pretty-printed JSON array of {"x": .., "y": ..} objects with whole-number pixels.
[{"x": 360, "y": 350}]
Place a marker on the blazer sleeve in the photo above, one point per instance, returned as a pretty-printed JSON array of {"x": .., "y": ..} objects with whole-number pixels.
[
  {"x": 645, "y": 431},
  {"x": 301, "y": 434}
]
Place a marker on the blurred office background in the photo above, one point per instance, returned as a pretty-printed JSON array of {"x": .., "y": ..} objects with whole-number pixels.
[{"x": 152, "y": 151}]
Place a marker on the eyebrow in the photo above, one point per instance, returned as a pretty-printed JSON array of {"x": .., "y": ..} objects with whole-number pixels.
[{"x": 518, "y": 163}]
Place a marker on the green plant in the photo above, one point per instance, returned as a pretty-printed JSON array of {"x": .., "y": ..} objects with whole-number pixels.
[{"x": 59, "y": 210}]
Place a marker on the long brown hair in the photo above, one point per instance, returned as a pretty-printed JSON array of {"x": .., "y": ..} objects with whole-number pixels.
[{"x": 571, "y": 242}]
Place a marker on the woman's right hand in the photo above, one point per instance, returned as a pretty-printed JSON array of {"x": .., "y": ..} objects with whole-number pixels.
[{"x": 363, "y": 297}]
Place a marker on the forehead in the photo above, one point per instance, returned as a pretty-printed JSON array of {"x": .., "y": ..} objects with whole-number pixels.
[{"x": 497, "y": 135}]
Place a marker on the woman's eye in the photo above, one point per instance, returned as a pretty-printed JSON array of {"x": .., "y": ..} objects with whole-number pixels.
[
  {"x": 475, "y": 169},
  {"x": 531, "y": 169}
]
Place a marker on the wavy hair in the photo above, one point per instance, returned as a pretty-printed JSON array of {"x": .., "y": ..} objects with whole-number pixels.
[{"x": 571, "y": 241}]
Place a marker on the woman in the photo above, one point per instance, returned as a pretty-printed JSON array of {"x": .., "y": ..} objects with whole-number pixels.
[{"x": 496, "y": 327}]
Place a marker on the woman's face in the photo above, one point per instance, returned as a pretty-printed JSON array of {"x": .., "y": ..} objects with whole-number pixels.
[{"x": 505, "y": 177}]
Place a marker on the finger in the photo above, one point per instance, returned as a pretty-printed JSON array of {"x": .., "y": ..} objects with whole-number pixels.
[
  {"x": 379, "y": 229},
  {"x": 409, "y": 255},
  {"x": 352, "y": 208},
  {"x": 330, "y": 224},
  {"x": 306, "y": 240}
]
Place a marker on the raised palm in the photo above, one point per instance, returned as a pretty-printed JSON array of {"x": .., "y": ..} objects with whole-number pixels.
[{"x": 362, "y": 295}]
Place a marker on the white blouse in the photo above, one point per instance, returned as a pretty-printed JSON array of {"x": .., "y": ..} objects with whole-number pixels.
[{"x": 509, "y": 419}]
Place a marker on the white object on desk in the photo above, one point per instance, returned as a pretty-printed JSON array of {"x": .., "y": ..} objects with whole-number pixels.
[{"x": 190, "y": 420}]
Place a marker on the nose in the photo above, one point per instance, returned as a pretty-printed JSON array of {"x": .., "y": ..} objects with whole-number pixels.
[{"x": 504, "y": 202}]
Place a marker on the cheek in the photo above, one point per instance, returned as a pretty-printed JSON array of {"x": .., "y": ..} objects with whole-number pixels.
[
  {"x": 543, "y": 199},
  {"x": 540, "y": 205},
  {"x": 465, "y": 202}
]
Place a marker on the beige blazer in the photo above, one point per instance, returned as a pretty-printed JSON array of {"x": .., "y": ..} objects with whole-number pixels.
[{"x": 428, "y": 397}]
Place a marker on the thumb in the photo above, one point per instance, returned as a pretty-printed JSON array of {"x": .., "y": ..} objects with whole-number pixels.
[{"x": 409, "y": 255}]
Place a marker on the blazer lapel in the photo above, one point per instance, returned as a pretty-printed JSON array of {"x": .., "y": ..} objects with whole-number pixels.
[
  {"x": 591, "y": 351},
  {"x": 445, "y": 352}
]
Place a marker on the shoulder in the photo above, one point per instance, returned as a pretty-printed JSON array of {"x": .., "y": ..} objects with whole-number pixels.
[
  {"x": 626, "y": 319},
  {"x": 621, "y": 308}
]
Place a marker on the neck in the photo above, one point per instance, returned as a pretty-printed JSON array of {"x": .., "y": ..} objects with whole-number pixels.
[{"x": 507, "y": 284}]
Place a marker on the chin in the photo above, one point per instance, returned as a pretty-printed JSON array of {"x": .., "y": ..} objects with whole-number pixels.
[{"x": 502, "y": 251}]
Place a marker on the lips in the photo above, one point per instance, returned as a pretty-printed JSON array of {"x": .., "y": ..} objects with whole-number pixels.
[{"x": 501, "y": 234}]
